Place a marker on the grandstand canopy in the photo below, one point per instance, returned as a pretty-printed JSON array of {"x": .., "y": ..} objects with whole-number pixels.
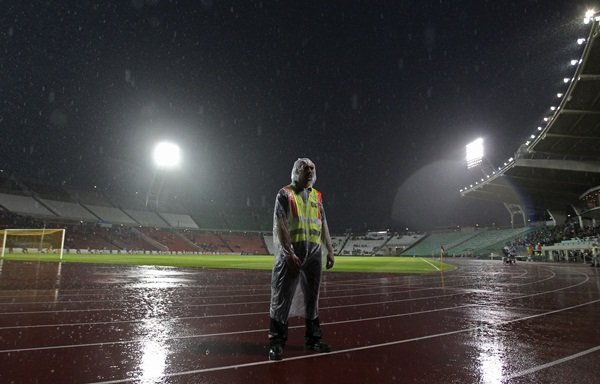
[{"x": 561, "y": 161}]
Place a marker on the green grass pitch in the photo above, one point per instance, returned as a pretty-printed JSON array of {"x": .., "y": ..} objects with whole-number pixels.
[{"x": 342, "y": 264}]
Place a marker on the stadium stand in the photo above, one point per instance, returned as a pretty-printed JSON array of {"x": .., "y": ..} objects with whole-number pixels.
[
  {"x": 111, "y": 215},
  {"x": 146, "y": 218},
  {"x": 430, "y": 245},
  {"x": 487, "y": 241},
  {"x": 208, "y": 242},
  {"x": 398, "y": 243},
  {"x": 558, "y": 164},
  {"x": 363, "y": 245},
  {"x": 88, "y": 196},
  {"x": 70, "y": 210},
  {"x": 177, "y": 220},
  {"x": 25, "y": 205},
  {"x": 251, "y": 243},
  {"x": 170, "y": 241}
]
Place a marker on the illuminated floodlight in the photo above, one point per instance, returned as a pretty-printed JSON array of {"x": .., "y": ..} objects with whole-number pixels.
[
  {"x": 474, "y": 153},
  {"x": 574, "y": 62},
  {"x": 580, "y": 41},
  {"x": 553, "y": 108},
  {"x": 588, "y": 16},
  {"x": 559, "y": 95},
  {"x": 532, "y": 137},
  {"x": 539, "y": 128},
  {"x": 166, "y": 155},
  {"x": 566, "y": 80}
]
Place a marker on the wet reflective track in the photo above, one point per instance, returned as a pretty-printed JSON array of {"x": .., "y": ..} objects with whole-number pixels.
[{"x": 484, "y": 322}]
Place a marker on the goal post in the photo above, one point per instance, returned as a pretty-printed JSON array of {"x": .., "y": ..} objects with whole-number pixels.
[{"x": 44, "y": 240}]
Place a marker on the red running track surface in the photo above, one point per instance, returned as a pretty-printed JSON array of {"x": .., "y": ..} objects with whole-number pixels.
[{"x": 484, "y": 322}]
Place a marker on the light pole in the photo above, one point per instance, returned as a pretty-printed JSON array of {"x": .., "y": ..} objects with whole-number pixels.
[{"x": 166, "y": 157}]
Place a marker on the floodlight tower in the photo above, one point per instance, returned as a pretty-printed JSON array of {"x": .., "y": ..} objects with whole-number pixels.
[
  {"x": 476, "y": 157},
  {"x": 167, "y": 157}
]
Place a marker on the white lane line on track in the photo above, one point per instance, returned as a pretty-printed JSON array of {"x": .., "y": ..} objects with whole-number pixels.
[
  {"x": 264, "y": 302},
  {"x": 216, "y": 316},
  {"x": 430, "y": 264},
  {"x": 376, "y": 284},
  {"x": 325, "y": 323},
  {"x": 400, "y": 288},
  {"x": 348, "y": 350},
  {"x": 553, "y": 363},
  {"x": 225, "y": 288},
  {"x": 239, "y": 314}
]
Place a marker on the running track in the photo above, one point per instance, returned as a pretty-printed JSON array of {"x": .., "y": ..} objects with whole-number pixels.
[{"x": 484, "y": 322}]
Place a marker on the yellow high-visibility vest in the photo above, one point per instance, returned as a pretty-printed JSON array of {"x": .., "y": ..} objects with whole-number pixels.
[{"x": 305, "y": 217}]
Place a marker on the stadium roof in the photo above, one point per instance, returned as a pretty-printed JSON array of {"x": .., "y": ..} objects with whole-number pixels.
[{"x": 555, "y": 168}]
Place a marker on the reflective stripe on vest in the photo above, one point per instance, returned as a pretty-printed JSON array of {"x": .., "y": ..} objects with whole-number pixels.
[{"x": 305, "y": 217}]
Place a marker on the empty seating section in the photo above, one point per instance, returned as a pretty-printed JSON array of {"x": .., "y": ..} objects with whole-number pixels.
[
  {"x": 208, "y": 242},
  {"x": 399, "y": 243},
  {"x": 486, "y": 241},
  {"x": 93, "y": 197},
  {"x": 111, "y": 214},
  {"x": 175, "y": 242},
  {"x": 209, "y": 220},
  {"x": 69, "y": 210},
  {"x": 431, "y": 245},
  {"x": 130, "y": 240},
  {"x": 361, "y": 245},
  {"x": 245, "y": 242},
  {"x": 79, "y": 238},
  {"x": 25, "y": 205},
  {"x": 176, "y": 220},
  {"x": 147, "y": 218},
  {"x": 128, "y": 201}
]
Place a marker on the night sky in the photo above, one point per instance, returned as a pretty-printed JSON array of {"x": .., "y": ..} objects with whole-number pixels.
[{"x": 381, "y": 95}]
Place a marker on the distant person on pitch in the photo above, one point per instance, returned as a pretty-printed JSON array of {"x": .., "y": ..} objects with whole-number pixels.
[{"x": 299, "y": 228}]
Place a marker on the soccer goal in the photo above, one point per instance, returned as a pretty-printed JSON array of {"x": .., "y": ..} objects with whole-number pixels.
[{"x": 45, "y": 240}]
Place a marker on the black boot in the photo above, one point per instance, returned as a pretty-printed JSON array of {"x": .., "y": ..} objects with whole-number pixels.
[
  {"x": 313, "y": 337},
  {"x": 278, "y": 333}
]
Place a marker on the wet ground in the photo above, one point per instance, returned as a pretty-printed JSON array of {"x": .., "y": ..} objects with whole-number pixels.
[{"x": 485, "y": 322}]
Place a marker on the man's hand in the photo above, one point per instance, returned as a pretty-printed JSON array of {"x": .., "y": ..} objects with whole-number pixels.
[
  {"x": 293, "y": 262},
  {"x": 330, "y": 260}
]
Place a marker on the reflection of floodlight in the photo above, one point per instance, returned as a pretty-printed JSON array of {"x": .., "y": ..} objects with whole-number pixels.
[
  {"x": 474, "y": 153},
  {"x": 166, "y": 155}
]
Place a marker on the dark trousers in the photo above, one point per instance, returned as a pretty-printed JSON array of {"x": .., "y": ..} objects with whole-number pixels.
[{"x": 278, "y": 332}]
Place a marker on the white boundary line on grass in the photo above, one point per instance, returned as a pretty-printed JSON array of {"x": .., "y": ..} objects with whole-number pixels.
[{"x": 430, "y": 263}]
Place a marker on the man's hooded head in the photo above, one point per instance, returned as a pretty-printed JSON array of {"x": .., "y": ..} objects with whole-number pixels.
[{"x": 304, "y": 167}]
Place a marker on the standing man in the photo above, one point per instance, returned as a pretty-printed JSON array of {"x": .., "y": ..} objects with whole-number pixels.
[{"x": 299, "y": 228}]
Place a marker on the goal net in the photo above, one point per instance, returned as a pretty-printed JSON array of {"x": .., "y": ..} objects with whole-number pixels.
[{"x": 46, "y": 240}]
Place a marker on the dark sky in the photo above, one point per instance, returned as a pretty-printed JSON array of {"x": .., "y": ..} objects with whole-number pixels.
[{"x": 382, "y": 95}]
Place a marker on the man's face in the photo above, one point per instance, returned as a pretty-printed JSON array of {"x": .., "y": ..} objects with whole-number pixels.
[{"x": 307, "y": 172}]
